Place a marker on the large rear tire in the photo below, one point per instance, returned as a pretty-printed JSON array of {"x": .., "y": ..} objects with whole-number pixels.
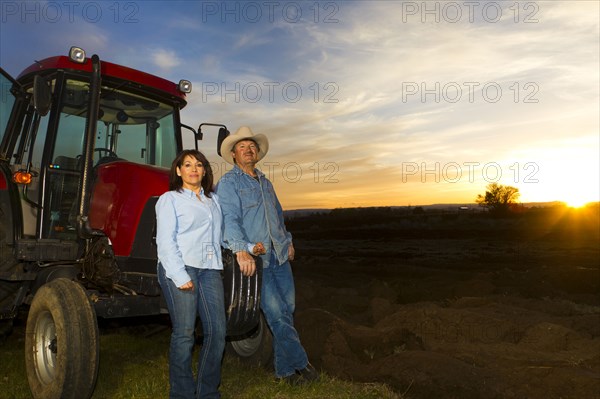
[
  {"x": 61, "y": 342},
  {"x": 254, "y": 348}
]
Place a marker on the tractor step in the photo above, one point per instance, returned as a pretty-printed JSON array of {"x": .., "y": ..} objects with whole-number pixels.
[{"x": 46, "y": 250}]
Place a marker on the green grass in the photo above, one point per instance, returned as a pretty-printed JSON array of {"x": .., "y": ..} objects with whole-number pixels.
[
  {"x": 241, "y": 381},
  {"x": 136, "y": 367},
  {"x": 13, "y": 381}
]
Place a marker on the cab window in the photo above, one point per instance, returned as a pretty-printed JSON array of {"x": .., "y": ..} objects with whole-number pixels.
[{"x": 7, "y": 101}]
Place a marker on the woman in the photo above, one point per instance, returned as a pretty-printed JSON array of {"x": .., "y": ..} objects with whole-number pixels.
[{"x": 188, "y": 238}]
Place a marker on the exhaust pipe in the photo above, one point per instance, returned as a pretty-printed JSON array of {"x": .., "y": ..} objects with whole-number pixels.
[{"x": 83, "y": 225}]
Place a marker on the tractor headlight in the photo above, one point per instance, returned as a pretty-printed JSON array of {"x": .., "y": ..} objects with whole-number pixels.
[
  {"x": 77, "y": 54},
  {"x": 185, "y": 86}
]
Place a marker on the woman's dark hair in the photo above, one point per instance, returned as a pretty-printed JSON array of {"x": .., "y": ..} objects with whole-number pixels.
[{"x": 175, "y": 181}]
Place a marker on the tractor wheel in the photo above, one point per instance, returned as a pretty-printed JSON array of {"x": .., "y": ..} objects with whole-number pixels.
[
  {"x": 61, "y": 342},
  {"x": 254, "y": 348}
]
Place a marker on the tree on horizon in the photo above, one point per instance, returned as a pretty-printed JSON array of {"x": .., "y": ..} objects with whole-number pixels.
[{"x": 498, "y": 198}]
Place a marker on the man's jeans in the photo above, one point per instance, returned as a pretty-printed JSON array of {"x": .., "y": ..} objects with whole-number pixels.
[
  {"x": 278, "y": 303},
  {"x": 207, "y": 300}
]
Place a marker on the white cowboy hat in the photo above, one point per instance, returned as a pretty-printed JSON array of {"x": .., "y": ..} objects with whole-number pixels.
[{"x": 244, "y": 133}]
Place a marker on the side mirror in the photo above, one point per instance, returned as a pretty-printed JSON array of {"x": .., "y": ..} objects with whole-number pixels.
[
  {"x": 42, "y": 95},
  {"x": 223, "y": 133}
]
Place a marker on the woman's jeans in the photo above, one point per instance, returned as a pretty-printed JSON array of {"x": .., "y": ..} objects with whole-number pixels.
[
  {"x": 278, "y": 302},
  {"x": 208, "y": 300}
]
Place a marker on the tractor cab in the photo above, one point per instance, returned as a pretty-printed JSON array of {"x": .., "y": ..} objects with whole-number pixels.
[{"x": 64, "y": 128}]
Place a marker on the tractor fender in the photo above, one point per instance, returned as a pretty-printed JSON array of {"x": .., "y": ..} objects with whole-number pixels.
[{"x": 49, "y": 274}]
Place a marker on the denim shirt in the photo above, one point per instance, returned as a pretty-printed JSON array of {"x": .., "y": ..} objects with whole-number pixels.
[
  {"x": 188, "y": 233},
  {"x": 251, "y": 214}
]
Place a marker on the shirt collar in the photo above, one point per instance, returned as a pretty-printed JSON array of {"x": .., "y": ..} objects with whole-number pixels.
[
  {"x": 190, "y": 193},
  {"x": 239, "y": 171}
]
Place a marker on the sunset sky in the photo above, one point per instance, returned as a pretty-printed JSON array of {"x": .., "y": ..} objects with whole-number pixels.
[{"x": 365, "y": 103}]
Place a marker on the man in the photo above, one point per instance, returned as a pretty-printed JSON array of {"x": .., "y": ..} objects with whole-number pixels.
[{"x": 253, "y": 223}]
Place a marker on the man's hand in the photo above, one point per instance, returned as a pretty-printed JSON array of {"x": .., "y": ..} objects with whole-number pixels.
[
  {"x": 246, "y": 262},
  {"x": 291, "y": 252},
  {"x": 259, "y": 249}
]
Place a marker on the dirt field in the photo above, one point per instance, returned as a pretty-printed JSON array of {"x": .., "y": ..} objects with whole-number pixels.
[{"x": 453, "y": 305}]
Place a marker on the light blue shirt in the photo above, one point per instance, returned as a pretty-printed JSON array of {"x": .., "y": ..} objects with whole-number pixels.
[
  {"x": 188, "y": 233},
  {"x": 252, "y": 213}
]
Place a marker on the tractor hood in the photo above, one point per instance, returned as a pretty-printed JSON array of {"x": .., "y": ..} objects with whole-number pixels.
[{"x": 120, "y": 191}]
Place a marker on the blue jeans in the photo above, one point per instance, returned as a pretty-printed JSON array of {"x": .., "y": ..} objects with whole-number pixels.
[
  {"x": 208, "y": 300},
  {"x": 278, "y": 302}
]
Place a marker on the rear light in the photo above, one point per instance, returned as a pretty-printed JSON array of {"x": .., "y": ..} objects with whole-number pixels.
[
  {"x": 21, "y": 177},
  {"x": 185, "y": 86},
  {"x": 77, "y": 54}
]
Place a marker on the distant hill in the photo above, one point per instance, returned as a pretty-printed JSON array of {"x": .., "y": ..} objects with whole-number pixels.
[
  {"x": 473, "y": 207},
  {"x": 304, "y": 212}
]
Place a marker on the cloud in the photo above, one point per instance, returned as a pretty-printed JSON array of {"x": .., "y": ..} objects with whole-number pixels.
[
  {"x": 165, "y": 59},
  {"x": 367, "y": 61},
  {"x": 46, "y": 40},
  {"x": 379, "y": 86}
]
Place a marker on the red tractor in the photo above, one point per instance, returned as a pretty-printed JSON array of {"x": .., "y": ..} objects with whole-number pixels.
[{"x": 85, "y": 148}]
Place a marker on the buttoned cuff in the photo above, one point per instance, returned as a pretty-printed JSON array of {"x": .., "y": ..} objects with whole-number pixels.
[{"x": 239, "y": 246}]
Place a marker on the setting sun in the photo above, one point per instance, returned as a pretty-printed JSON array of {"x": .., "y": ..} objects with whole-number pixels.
[
  {"x": 577, "y": 189},
  {"x": 577, "y": 202},
  {"x": 567, "y": 172}
]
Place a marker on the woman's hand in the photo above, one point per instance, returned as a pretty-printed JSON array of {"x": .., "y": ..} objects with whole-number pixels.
[
  {"x": 291, "y": 252},
  {"x": 189, "y": 286},
  {"x": 246, "y": 262}
]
